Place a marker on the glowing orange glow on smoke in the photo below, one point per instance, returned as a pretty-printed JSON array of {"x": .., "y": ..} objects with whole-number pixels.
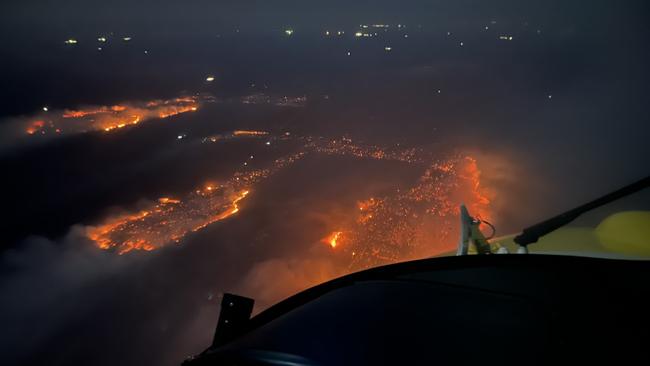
[
  {"x": 333, "y": 238},
  {"x": 479, "y": 204},
  {"x": 35, "y": 126}
]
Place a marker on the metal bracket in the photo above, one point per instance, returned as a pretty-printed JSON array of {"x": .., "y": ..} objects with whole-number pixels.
[{"x": 471, "y": 234}]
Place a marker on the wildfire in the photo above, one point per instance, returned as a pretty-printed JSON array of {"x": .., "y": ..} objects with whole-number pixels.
[
  {"x": 332, "y": 239},
  {"x": 166, "y": 222},
  {"x": 404, "y": 224},
  {"x": 417, "y": 222},
  {"x": 234, "y": 208},
  {"x": 167, "y": 200},
  {"x": 109, "y": 118},
  {"x": 135, "y": 121},
  {"x": 89, "y": 112},
  {"x": 172, "y": 111},
  {"x": 100, "y": 234}
]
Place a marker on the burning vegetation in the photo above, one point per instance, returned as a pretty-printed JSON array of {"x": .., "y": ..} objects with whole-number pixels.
[
  {"x": 418, "y": 222},
  {"x": 168, "y": 221},
  {"x": 405, "y": 224},
  {"x": 332, "y": 239},
  {"x": 109, "y": 118}
]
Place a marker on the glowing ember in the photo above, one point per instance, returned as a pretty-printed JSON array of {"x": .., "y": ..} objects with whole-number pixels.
[{"x": 333, "y": 238}]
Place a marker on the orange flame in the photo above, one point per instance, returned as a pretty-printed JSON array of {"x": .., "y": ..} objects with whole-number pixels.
[
  {"x": 167, "y": 200},
  {"x": 234, "y": 208},
  {"x": 100, "y": 234},
  {"x": 109, "y": 118},
  {"x": 153, "y": 228},
  {"x": 333, "y": 238}
]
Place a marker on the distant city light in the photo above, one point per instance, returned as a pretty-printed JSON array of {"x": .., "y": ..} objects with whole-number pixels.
[
  {"x": 268, "y": 143},
  {"x": 45, "y": 109},
  {"x": 486, "y": 27},
  {"x": 358, "y": 34},
  {"x": 327, "y": 33},
  {"x": 101, "y": 39},
  {"x": 146, "y": 52},
  {"x": 550, "y": 96},
  {"x": 71, "y": 41},
  {"x": 388, "y": 48},
  {"x": 126, "y": 39},
  {"x": 349, "y": 53},
  {"x": 288, "y": 32},
  {"x": 462, "y": 44},
  {"x": 406, "y": 36},
  {"x": 505, "y": 38},
  {"x": 99, "y": 48},
  {"x": 210, "y": 78},
  {"x": 449, "y": 33}
]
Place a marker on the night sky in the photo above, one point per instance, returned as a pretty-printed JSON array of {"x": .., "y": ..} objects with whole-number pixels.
[{"x": 274, "y": 132}]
